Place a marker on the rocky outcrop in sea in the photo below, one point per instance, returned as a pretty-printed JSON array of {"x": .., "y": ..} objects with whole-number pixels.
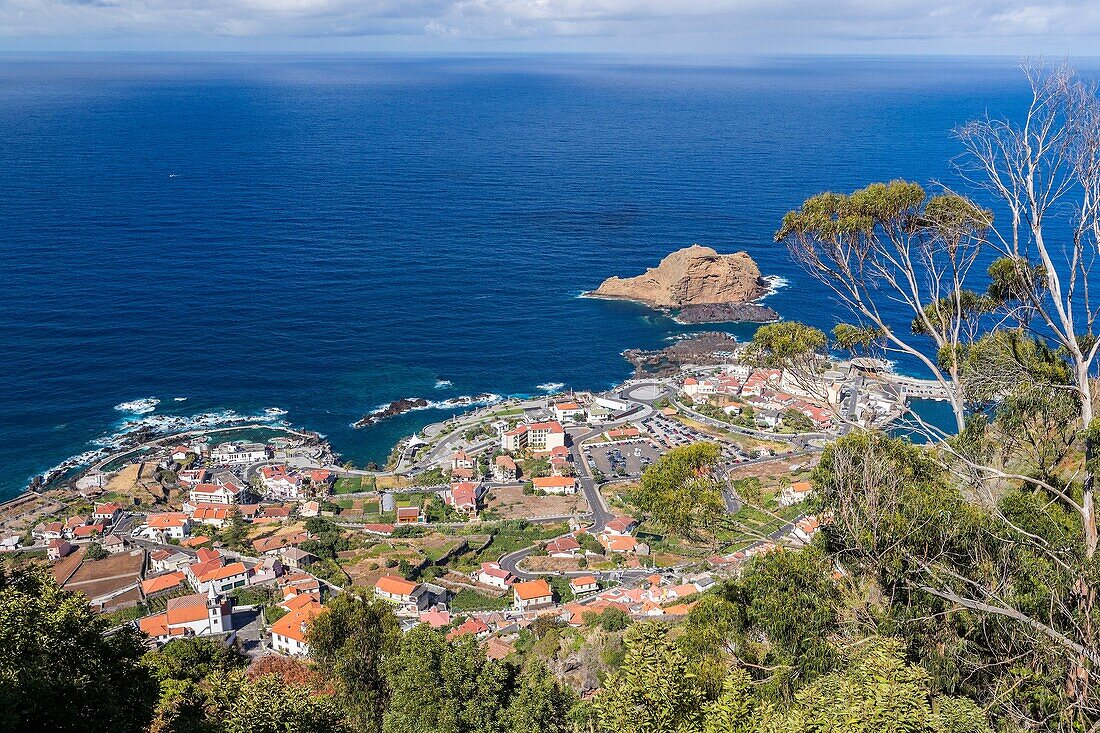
[
  {"x": 691, "y": 276},
  {"x": 408, "y": 404},
  {"x": 726, "y": 313},
  {"x": 703, "y": 349}
]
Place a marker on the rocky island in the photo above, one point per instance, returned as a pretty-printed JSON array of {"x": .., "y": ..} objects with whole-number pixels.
[{"x": 698, "y": 285}]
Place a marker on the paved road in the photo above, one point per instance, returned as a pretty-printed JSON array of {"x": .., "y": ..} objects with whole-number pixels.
[{"x": 601, "y": 514}]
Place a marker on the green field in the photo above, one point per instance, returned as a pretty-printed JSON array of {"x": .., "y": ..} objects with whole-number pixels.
[{"x": 348, "y": 485}]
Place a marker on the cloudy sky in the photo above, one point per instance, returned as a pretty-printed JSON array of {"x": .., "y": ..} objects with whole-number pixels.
[{"x": 704, "y": 27}]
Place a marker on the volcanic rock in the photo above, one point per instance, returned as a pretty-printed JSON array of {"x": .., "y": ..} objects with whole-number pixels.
[{"x": 694, "y": 275}]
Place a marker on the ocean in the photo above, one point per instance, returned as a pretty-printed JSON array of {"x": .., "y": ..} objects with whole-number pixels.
[{"x": 320, "y": 236}]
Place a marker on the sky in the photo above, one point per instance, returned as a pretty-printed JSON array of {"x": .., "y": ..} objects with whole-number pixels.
[{"x": 650, "y": 27}]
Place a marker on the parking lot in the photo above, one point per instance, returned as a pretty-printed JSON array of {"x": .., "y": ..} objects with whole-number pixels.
[
  {"x": 622, "y": 459},
  {"x": 670, "y": 434}
]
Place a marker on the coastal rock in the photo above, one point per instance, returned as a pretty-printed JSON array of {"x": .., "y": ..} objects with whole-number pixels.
[
  {"x": 694, "y": 275},
  {"x": 397, "y": 407},
  {"x": 726, "y": 313},
  {"x": 703, "y": 349}
]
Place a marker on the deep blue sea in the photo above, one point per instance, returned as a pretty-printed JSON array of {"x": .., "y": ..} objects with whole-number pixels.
[{"x": 326, "y": 235}]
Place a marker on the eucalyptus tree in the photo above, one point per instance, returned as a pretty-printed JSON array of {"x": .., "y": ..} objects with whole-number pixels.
[{"x": 1001, "y": 314}]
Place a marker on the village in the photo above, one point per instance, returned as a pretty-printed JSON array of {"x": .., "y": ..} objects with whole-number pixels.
[{"x": 480, "y": 525}]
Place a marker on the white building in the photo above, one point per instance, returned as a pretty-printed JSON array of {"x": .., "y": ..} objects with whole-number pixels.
[
  {"x": 532, "y": 594},
  {"x": 566, "y": 411},
  {"x": 538, "y": 436},
  {"x": 233, "y": 453},
  {"x": 494, "y": 575},
  {"x": 194, "y": 615},
  {"x": 290, "y": 633},
  {"x": 173, "y": 525},
  {"x": 795, "y": 493},
  {"x": 214, "y": 494}
]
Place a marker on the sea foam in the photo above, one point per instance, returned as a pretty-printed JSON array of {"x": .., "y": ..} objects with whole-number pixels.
[{"x": 138, "y": 407}]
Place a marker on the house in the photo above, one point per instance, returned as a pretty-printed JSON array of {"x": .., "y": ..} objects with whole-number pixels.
[
  {"x": 584, "y": 584},
  {"x": 492, "y": 574},
  {"x": 563, "y": 547},
  {"x": 271, "y": 513},
  {"x": 174, "y": 525},
  {"x": 504, "y": 469},
  {"x": 49, "y": 531},
  {"x": 555, "y": 484},
  {"x": 497, "y": 649},
  {"x": 310, "y": 508},
  {"x": 462, "y": 496},
  {"x": 289, "y": 634},
  {"x": 436, "y": 619},
  {"x": 234, "y": 453},
  {"x": 461, "y": 460},
  {"x": 57, "y": 549},
  {"x": 167, "y": 560},
  {"x": 690, "y": 387},
  {"x": 205, "y": 562},
  {"x": 621, "y": 524},
  {"x": 193, "y": 476},
  {"x": 470, "y": 627},
  {"x": 163, "y": 583},
  {"x": 398, "y": 590},
  {"x": 112, "y": 543},
  {"x": 222, "y": 494},
  {"x": 249, "y": 512},
  {"x": 621, "y": 543},
  {"x": 269, "y": 569},
  {"x": 107, "y": 513},
  {"x": 193, "y": 615},
  {"x": 796, "y": 493},
  {"x": 222, "y": 579},
  {"x": 463, "y": 474},
  {"x": 301, "y": 583},
  {"x": 213, "y": 514},
  {"x": 566, "y": 411},
  {"x": 382, "y": 530},
  {"x": 89, "y": 531},
  {"x": 278, "y": 484},
  {"x": 179, "y": 453},
  {"x": 321, "y": 480},
  {"x": 72, "y": 523},
  {"x": 806, "y": 528},
  {"x": 561, "y": 452},
  {"x": 295, "y": 601},
  {"x": 410, "y": 515},
  {"x": 532, "y": 594},
  {"x": 296, "y": 558}
]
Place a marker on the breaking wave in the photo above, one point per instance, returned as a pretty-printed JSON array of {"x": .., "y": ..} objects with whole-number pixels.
[
  {"x": 138, "y": 407},
  {"x": 153, "y": 427},
  {"x": 550, "y": 386},
  {"x": 775, "y": 284}
]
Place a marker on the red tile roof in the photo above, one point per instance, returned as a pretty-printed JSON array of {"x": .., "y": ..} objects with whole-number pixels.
[{"x": 531, "y": 590}]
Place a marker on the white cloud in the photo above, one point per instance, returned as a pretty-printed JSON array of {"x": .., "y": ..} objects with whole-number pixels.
[{"x": 779, "y": 25}]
